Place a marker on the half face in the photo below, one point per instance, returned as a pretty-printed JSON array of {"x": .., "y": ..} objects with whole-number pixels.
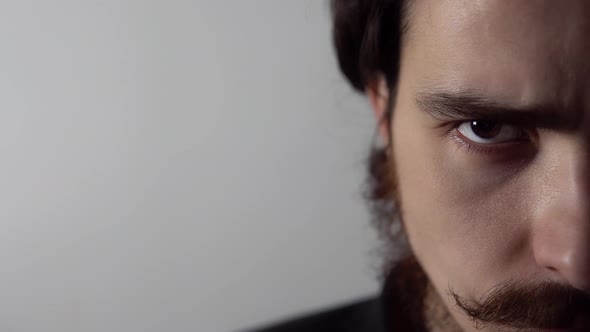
[{"x": 490, "y": 138}]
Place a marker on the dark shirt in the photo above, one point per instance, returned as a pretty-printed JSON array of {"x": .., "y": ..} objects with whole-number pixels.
[
  {"x": 361, "y": 316},
  {"x": 398, "y": 308}
]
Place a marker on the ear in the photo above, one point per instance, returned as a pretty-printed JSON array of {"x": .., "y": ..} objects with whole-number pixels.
[{"x": 378, "y": 94}]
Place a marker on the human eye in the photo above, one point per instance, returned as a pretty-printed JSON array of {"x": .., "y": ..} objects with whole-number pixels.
[{"x": 488, "y": 135}]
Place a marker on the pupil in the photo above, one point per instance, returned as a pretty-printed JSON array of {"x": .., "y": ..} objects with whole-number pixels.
[{"x": 485, "y": 129}]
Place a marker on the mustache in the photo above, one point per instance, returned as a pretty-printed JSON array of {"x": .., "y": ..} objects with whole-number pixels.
[{"x": 525, "y": 305}]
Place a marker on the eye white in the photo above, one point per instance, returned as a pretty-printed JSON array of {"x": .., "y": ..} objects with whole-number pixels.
[{"x": 506, "y": 133}]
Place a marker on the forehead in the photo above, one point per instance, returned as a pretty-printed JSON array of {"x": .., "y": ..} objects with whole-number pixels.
[{"x": 523, "y": 51}]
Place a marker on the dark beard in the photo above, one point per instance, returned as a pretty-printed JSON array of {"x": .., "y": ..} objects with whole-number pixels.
[
  {"x": 404, "y": 292},
  {"x": 509, "y": 305},
  {"x": 526, "y": 305}
]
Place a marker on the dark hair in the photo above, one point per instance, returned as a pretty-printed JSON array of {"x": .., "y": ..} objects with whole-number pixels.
[{"x": 367, "y": 37}]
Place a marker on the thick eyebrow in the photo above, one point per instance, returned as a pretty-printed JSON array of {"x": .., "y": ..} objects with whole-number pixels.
[{"x": 458, "y": 106}]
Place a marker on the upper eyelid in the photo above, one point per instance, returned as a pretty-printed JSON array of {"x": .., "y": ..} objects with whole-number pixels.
[
  {"x": 456, "y": 123},
  {"x": 500, "y": 123},
  {"x": 506, "y": 123}
]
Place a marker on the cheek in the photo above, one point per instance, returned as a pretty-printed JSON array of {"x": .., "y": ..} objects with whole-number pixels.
[{"x": 465, "y": 221}]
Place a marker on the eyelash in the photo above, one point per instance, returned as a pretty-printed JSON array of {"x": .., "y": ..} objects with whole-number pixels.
[{"x": 453, "y": 135}]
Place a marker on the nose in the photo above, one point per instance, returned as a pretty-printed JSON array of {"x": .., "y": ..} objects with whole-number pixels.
[
  {"x": 561, "y": 234},
  {"x": 563, "y": 250}
]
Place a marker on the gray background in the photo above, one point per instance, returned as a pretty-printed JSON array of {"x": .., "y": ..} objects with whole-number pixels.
[{"x": 177, "y": 166}]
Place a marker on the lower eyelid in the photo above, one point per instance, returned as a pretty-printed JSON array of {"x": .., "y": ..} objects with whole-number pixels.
[{"x": 463, "y": 143}]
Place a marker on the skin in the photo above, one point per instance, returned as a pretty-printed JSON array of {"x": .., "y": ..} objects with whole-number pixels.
[{"x": 475, "y": 218}]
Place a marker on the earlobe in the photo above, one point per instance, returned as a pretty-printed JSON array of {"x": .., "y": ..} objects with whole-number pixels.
[{"x": 378, "y": 95}]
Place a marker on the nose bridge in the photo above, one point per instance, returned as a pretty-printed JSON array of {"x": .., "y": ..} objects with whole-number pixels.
[
  {"x": 567, "y": 177},
  {"x": 561, "y": 237},
  {"x": 572, "y": 175}
]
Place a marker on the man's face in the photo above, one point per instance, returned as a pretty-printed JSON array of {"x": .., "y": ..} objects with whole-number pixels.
[{"x": 502, "y": 199}]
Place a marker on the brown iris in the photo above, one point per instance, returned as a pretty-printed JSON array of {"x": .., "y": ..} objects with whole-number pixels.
[{"x": 486, "y": 129}]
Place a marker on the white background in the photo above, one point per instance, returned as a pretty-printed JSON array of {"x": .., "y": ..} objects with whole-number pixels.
[{"x": 172, "y": 165}]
